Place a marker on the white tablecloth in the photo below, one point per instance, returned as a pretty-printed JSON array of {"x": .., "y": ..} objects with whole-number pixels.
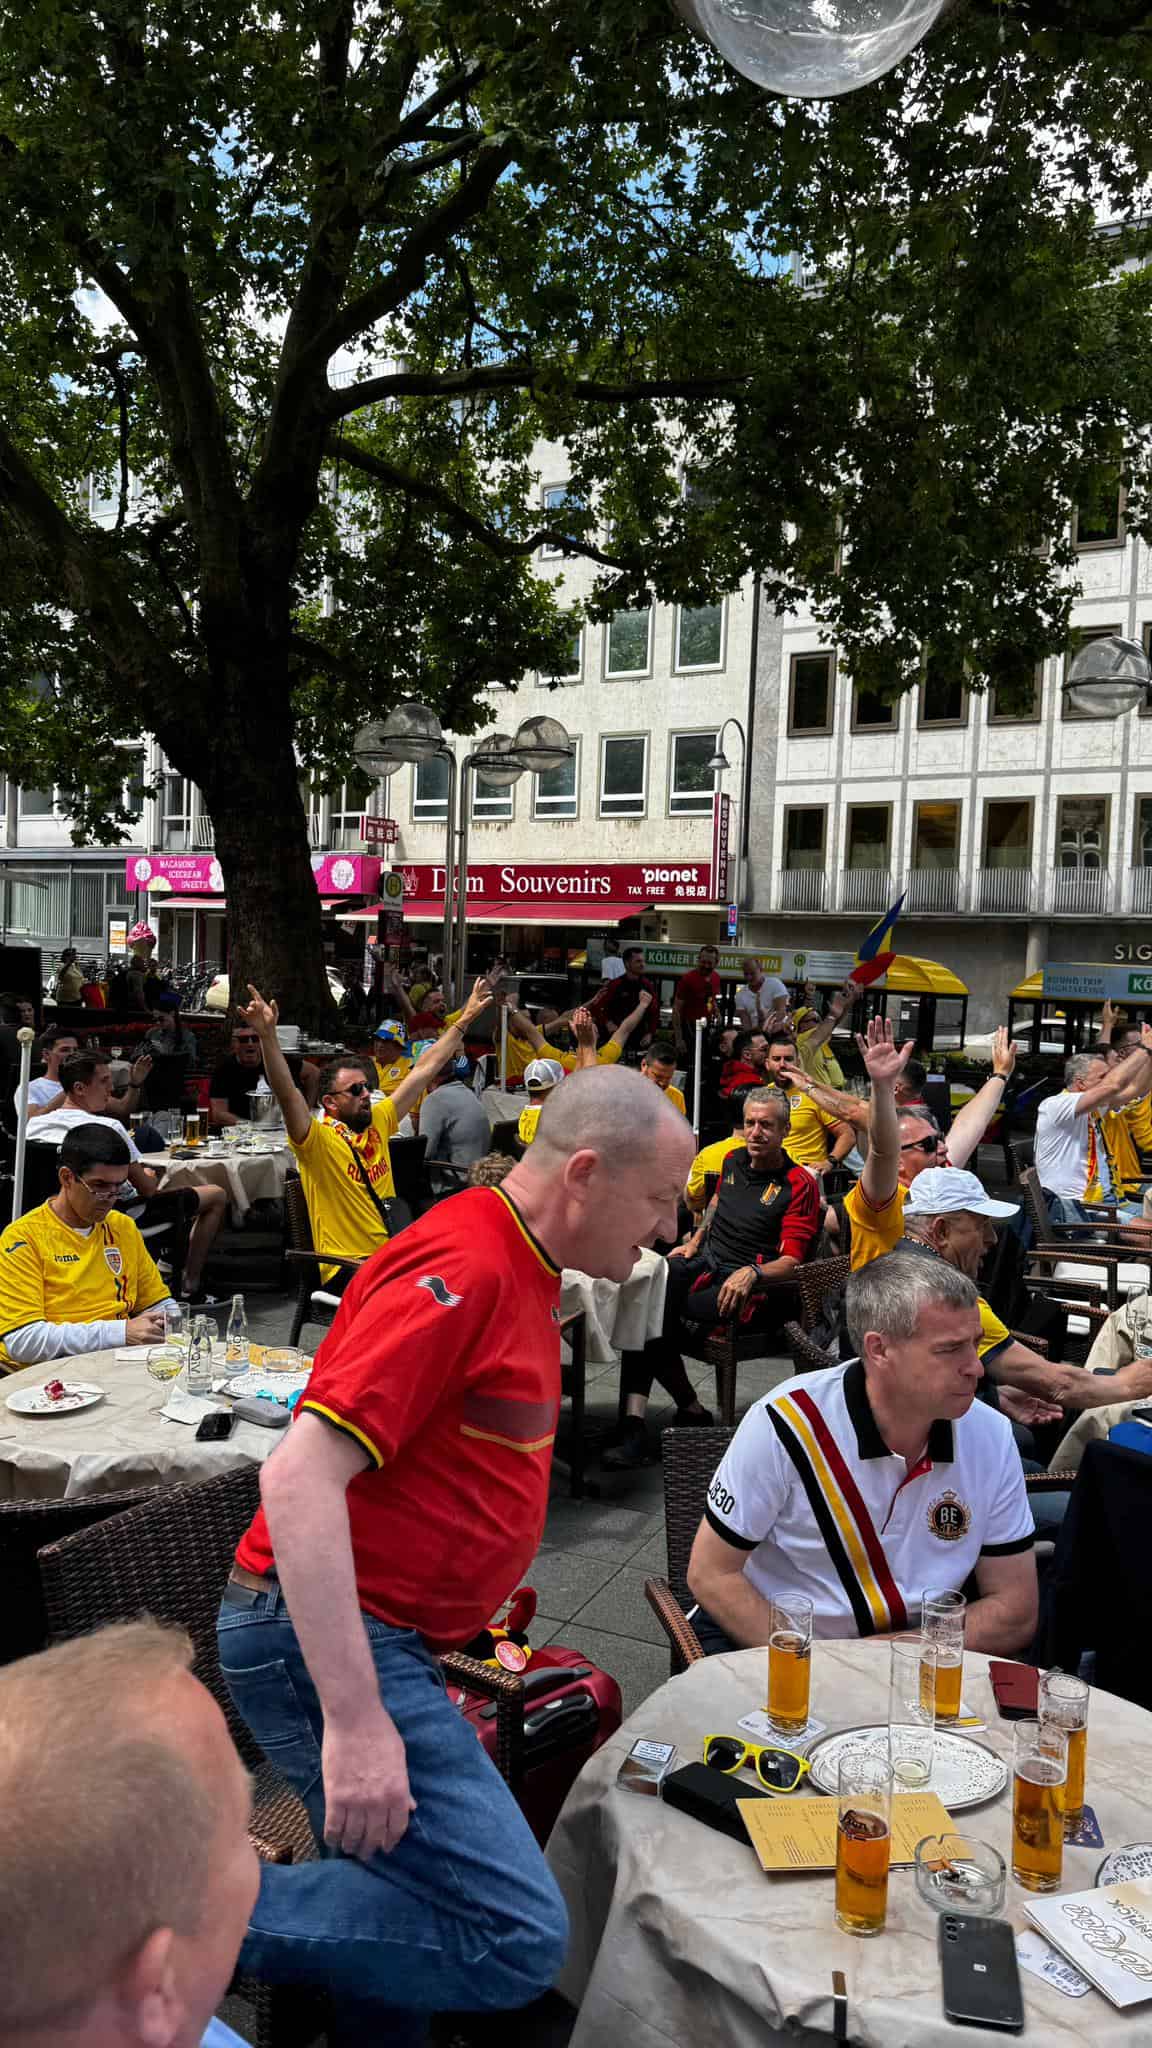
[
  {"x": 246, "y": 1177},
  {"x": 619, "y": 1318},
  {"x": 123, "y": 1441},
  {"x": 500, "y": 1107},
  {"x": 678, "y": 1937}
]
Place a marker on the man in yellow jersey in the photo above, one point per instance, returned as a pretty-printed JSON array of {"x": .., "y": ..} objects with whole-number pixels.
[
  {"x": 526, "y": 1042},
  {"x": 815, "y": 1138},
  {"x": 1125, "y": 1039},
  {"x": 343, "y": 1154},
  {"x": 711, "y": 1158},
  {"x": 75, "y": 1274},
  {"x": 541, "y": 1077},
  {"x": 659, "y": 1065}
]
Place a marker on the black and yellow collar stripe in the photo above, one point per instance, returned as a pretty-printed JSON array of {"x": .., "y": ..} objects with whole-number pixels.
[{"x": 547, "y": 1263}]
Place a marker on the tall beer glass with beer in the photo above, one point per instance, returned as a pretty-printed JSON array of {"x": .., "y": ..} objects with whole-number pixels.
[
  {"x": 192, "y": 1128},
  {"x": 1064, "y": 1705},
  {"x": 790, "y": 1663},
  {"x": 863, "y": 1841},
  {"x": 1039, "y": 1775},
  {"x": 942, "y": 1676}
]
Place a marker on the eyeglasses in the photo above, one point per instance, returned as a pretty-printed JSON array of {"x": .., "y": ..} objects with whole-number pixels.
[
  {"x": 246, "y": 1038},
  {"x": 929, "y": 1144},
  {"x": 99, "y": 1189},
  {"x": 779, "y": 1770}
]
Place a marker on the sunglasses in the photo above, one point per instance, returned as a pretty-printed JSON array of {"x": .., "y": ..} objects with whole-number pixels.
[
  {"x": 928, "y": 1144},
  {"x": 245, "y": 1038},
  {"x": 357, "y": 1088},
  {"x": 779, "y": 1770}
]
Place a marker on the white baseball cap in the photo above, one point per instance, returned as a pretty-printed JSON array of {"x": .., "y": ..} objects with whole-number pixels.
[
  {"x": 948, "y": 1191},
  {"x": 543, "y": 1073}
]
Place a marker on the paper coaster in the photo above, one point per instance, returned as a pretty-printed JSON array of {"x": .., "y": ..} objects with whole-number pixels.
[
  {"x": 1088, "y": 1834},
  {"x": 762, "y": 1729},
  {"x": 1037, "y": 1955}
]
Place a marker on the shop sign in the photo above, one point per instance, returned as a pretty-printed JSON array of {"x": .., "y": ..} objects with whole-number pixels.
[
  {"x": 199, "y": 874},
  {"x": 586, "y": 883},
  {"x": 378, "y": 831},
  {"x": 721, "y": 818},
  {"x": 823, "y": 967},
  {"x": 117, "y": 935},
  {"x": 1094, "y": 984}
]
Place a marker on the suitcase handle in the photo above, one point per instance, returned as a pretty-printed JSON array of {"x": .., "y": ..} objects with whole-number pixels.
[{"x": 544, "y": 1676}]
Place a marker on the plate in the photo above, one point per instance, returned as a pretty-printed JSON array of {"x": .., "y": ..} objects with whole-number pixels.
[
  {"x": 34, "y": 1401},
  {"x": 1123, "y": 1865},
  {"x": 964, "y": 1773},
  {"x": 243, "y": 1385}
]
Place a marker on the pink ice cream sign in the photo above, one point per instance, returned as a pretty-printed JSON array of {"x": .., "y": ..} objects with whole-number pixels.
[{"x": 199, "y": 874}]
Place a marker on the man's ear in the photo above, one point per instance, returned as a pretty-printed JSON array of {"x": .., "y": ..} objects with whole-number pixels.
[
  {"x": 578, "y": 1170},
  {"x": 149, "y": 1993},
  {"x": 874, "y": 1349}
]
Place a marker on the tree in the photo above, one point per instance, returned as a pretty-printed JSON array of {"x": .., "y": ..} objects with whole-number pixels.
[{"x": 303, "y": 288}]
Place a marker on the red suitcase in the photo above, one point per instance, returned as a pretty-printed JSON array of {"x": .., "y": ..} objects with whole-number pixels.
[{"x": 571, "y": 1707}]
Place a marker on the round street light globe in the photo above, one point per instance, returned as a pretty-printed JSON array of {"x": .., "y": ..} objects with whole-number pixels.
[
  {"x": 411, "y": 732},
  {"x": 488, "y": 759},
  {"x": 812, "y": 49},
  {"x": 543, "y": 743},
  {"x": 1108, "y": 677}
]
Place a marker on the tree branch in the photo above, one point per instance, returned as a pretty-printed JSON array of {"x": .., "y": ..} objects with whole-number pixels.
[{"x": 526, "y": 377}]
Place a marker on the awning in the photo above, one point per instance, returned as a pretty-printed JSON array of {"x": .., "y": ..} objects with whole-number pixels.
[
  {"x": 909, "y": 976},
  {"x": 426, "y": 911},
  {"x": 187, "y": 903},
  {"x": 1030, "y": 991}
]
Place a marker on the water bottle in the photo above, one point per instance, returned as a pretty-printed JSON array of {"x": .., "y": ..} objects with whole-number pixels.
[
  {"x": 200, "y": 1357},
  {"x": 236, "y": 1342}
]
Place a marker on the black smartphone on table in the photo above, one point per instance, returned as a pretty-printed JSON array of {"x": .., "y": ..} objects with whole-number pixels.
[
  {"x": 979, "y": 1972},
  {"x": 215, "y": 1428}
]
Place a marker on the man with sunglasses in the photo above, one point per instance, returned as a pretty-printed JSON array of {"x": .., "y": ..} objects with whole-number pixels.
[
  {"x": 343, "y": 1153},
  {"x": 241, "y": 1073},
  {"x": 75, "y": 1274}
]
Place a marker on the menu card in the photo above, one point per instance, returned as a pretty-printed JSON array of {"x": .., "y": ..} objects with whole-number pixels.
[
  {"x": 1107, "y": 1933},
  {"x": 800, "y": 1834}
]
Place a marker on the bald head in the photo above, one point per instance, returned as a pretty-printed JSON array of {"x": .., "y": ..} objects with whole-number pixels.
[{"x": 602, "y": 1178}]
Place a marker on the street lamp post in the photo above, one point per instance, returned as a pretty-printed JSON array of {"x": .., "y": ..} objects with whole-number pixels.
[
  {"x": 412, "y": 733},
  {"x": 538, "y": 743},
  {"x": 719, "y": 764}
]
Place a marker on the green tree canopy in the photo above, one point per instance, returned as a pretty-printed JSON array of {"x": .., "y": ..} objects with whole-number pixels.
[{"x": 318, "y": 279}]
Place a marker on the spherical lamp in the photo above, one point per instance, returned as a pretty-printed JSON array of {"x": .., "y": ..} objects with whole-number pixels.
[
  {"x": 543, "y": 743},
  {"x": 1108, "y": 677},
  {"x": 811, "y": 49},
  {"x": 411, "y": 732},
  {"x": 496, "y": 760}
]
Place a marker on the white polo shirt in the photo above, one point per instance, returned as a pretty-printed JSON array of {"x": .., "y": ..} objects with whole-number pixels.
[
  {"x": 810, "y": 1490},
  {"x": 54, "y": 1128},
  {"x": 1070, "y": 1153}
]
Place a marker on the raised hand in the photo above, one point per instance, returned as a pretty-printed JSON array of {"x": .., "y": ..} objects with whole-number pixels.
[
  {"x": 1003, "y": 1052},
  {"x": 644, "y": 999},
  {"x": 584, "y": 1028},
  {"x": 884, "y": 1059},
  {"x": 261, "y": 1014}
]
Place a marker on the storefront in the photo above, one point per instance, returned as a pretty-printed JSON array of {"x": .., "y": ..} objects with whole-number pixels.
[{"x": 182, "y": 897}]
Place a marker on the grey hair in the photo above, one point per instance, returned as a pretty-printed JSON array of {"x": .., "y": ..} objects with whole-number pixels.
[
  {"x": 1079, "y": 1066},
  {"x": 889, "y": 1294},
  {"x": 778, "y": 1100},
  {"x": 909, "y": 1115}
]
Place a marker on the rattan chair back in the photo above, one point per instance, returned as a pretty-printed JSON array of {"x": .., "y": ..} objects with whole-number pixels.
[
  {"x": 820, "y": 1282},
  {"x": 1023, "y": 1152},
  {"x": 1035, "y": 1206},
  {"x": 690, "y": 1459},
  {"x": 26, "y": 1527}
]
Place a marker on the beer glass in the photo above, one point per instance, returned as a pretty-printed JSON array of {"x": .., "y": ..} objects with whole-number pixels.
[
  {"x": 192, "y": 1128},
  {"x": 1039, "y": 1775},
  {"x": 1064, "y": 1705},
  {"x": 911, "y": 1715},
  {"x": 863, "y": 1841},
  {"x": 942, "y": 1677},
  {"x": 790, "y": 1663}
]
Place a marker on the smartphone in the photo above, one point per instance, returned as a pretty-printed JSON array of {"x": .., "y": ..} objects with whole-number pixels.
[
  {"x": 979, "y": 1973},
  {"x": 1015, "y": 1688},
  {"x": 215, "y": 1428}
]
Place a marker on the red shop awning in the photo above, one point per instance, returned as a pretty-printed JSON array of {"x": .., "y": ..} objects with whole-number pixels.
[{"x": 427, "y": 910}]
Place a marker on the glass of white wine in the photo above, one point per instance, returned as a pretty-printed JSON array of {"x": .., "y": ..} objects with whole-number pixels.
[{"x": 163, "y": 1361}]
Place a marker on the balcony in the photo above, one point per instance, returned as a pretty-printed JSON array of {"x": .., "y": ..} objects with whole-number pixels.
[
  {"x": 803, "y": 889},
  {"x": 934, "y": 890},
  {"x": 200, "y": 835},
  {"x": 1138, "y": 891},
  {"x": 1080, "y": 892},
  {"x": 1005, "y": 892},
  {"x": 866, "y": 889}
]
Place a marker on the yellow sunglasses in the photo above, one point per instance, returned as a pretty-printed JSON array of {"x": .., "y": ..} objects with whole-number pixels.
[{"x": 779, "y": 1770}]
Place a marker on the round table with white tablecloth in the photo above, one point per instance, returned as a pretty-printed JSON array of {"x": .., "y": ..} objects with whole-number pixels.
[
  {"x": 246, "y": 1177},
  {"x": 619, "y": 1315},
  {"x": 123, "y": 1441},
  {"x": 678, "y": 1936}
]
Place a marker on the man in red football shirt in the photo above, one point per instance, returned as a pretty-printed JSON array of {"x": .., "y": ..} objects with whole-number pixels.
[
  {"x": 696, "y": 995},
  {"x": 403, "y": 1508}
]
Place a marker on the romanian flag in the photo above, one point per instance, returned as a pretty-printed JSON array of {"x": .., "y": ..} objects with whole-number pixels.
[{"x": 875, "y": 954}]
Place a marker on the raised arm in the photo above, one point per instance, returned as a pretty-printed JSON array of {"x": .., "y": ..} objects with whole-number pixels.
[
  {"x": 811, "y": 1041},
  {"x": 447, "y": 1047},
  {"x": 885, "y": 1061},
  {"x": 585, "y": 1032},
  {"x": 263, "y": 1016},
  {"x": 623, "y": 1032},
  {"x": 525, "y": 1028},
  {"x": 1124, "y": 1082},
  {"x": 970, "y": 1123},
  {"x": 390, "y": 980},
  {"x": 838, "y": 1102}
]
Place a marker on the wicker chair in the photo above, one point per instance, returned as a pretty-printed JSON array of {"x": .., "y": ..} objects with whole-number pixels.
[
  {"x": 26, "y": 1526},
  {"x": 1101, "y": 1246},
  {"x": 313, "y": 1304}
]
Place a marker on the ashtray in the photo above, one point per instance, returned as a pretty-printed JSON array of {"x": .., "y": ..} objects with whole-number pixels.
[{"x": 958, "y": 1874}]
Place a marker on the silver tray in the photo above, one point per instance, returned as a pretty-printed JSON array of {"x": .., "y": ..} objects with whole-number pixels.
[{"x": 964, "y": 1773}]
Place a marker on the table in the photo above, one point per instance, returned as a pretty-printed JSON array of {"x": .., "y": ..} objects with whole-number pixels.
[
  {"x": 618, "y": 1316},
  {"x": 124, "y": 1441},
  {"x": 246, "y": 1177},
  {"x": 502, "y": 1108},
  {"x": 678, "y": 1936}
]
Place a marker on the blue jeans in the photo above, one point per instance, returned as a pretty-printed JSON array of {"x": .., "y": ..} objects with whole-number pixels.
[
  {"x": 463, "y": 1915},
  {"x": 1062, "y": 1210}
]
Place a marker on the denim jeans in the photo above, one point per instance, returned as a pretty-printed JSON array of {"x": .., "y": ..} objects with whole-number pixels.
[
  {"x": 1062, "y": 1210},
  {"x": 463, "y": 1915}
]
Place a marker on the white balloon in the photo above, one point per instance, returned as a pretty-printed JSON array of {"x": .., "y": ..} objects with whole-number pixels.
[{"x": 811, "y": 49}]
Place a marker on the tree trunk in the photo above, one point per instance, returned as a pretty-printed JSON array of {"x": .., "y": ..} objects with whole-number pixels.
[{"x": 261, "y": 834}]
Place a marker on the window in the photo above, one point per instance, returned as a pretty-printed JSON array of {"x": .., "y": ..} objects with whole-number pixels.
[
  {"x": 804, "y": 837},
  {"x": 1008, "y": 833},
  {"x": 692, "y": 782},
  {"x": 943, "y": 697},
  {"x": 868, "y": 830},
  {"x": 870, "y": 713},
  {"x": 1098, "y": 515},
  {"x": 571, "y": 669},
  {"x": 1082, "y": 832},
  {"x": 630, "y": 643},
  {"x": 556, "y": 793},
  {"x": 349, "y": 801},
  {"x": 555, "y": 501},
  {"x": 936, "y": 836},
  {"x": 175, "y": 812},
  {"x": 132, "y": 769},
  {"x": 700, "y": 636},
  {"x": 1018, "y": 702},
  {"x": 430, "y": 788},
  {"x": 1079, "y": 637},
  {"x": 810, "y": 693},
  {"x": 36, "y": 803},
  {"x": 1142, "y": 835},
  {"x": 490, "y": 801},
  {"x": 623, "y": 777}
]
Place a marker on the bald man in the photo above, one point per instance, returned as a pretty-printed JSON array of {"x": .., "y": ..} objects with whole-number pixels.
[
  {"x": 127, "y": 1875},
  {"x": 403, "y": 1508}
]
